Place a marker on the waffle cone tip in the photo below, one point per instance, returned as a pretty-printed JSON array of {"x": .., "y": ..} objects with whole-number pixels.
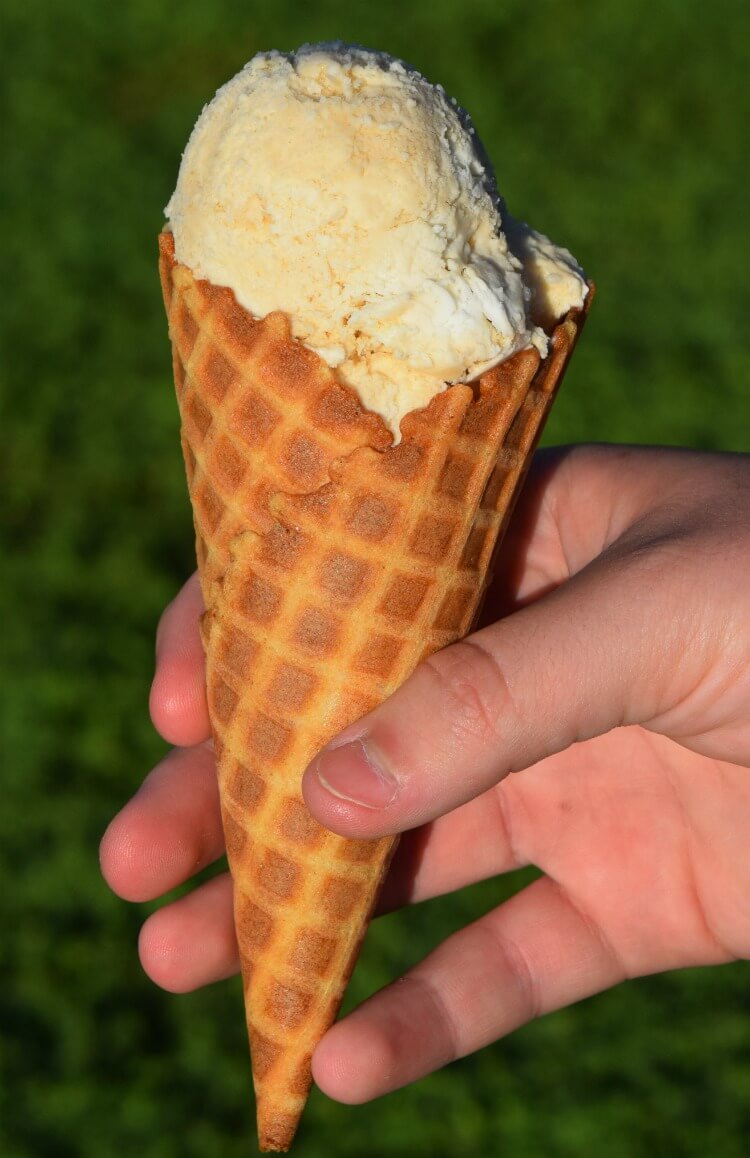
[{"x": 276, "y": 1130}]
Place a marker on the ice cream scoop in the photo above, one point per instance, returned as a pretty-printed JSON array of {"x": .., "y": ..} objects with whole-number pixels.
[{"x": 339, "y": 186}]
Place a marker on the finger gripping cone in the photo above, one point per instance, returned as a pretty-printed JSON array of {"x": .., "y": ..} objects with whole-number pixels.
[{"x": 331, "y": 563}]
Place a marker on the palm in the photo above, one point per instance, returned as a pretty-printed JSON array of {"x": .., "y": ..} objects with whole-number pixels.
[
  {"x": 644, "y": 836},
  {"x": 646, "y": 839}
]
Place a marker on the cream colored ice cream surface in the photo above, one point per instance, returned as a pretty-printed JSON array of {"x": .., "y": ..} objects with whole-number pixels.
[{"x": 341, "y": 187}]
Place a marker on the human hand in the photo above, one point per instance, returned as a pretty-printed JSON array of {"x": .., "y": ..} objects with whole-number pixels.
[{"x": 620, "y": 683}]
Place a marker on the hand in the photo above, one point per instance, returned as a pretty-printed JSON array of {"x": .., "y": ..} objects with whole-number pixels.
[{"x": 618, "y": 687}]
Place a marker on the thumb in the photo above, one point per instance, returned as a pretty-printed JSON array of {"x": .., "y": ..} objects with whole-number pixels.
[{"x": 598, "y": 652}]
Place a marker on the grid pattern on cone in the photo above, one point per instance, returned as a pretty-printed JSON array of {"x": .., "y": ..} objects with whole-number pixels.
[
  {"x": 260, "y": 412},
  {"x": 331, "y": 563}
]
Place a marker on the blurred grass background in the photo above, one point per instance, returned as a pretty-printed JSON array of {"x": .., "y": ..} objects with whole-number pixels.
[{"x": 619, "y": 127}]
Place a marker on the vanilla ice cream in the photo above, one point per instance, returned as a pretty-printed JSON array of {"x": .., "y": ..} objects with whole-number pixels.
[{"x": 341, "y": 187}]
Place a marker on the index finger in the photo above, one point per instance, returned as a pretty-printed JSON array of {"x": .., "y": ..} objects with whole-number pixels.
[{"x": 178, "y": 705}]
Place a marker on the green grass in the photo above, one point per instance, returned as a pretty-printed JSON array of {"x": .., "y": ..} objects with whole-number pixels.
[{"x": 618, "y": 126}]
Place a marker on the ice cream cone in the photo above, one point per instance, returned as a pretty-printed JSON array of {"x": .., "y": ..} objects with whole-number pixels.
[{"x": 331, "y": 563}]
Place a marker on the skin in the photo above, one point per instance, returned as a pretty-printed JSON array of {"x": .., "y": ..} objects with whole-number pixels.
[{"x": 616, "y": 686}]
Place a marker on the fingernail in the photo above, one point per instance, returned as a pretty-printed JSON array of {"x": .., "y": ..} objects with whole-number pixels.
[{"x": 356, "y": 772}]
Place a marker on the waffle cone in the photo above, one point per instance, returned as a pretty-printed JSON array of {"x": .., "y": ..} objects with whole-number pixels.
[{"x": 331, "y": 563}]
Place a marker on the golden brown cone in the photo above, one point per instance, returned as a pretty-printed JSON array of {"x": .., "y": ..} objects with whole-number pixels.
[{"x": 331, "y": 563}]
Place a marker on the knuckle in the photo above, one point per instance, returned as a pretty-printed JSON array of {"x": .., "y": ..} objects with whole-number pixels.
[
  {"x": 512, "y": 960},
  {"x": 425, "y": 995},
  {"x": 474, "y": 691}
]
